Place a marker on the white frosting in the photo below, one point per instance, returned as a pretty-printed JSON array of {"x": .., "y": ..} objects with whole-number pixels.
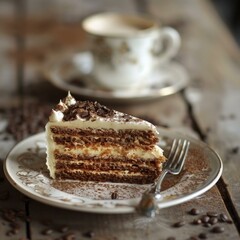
[
  {"x": 116, "y": 122},
  {"x": 100, "y": 123},
  {"x": 56, "y": 116},
  {"x": 69, "y": 100}
]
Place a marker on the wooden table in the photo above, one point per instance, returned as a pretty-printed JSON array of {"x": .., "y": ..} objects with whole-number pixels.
[{"x": 34, "y": 31}]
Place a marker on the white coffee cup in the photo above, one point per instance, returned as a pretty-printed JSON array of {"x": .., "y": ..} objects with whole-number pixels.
[{"x": 127, "y": 48}]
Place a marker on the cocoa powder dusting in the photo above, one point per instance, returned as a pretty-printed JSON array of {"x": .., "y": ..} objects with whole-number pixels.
[
  {"x": 196, "y": 170},
  {"x": 196, "y": 164}
]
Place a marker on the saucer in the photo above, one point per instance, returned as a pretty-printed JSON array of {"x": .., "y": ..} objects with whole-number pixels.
[{"x": 74, "y": 74}]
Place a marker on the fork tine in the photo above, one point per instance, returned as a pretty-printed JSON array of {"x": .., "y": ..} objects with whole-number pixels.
[
  {"x": 171, "y": 153},
  {"x": 183, "y": 153},
  {"x": 172, "y": 163},
  {"x": 176, "y": 153},
  {"x": 172, "y": 148}
]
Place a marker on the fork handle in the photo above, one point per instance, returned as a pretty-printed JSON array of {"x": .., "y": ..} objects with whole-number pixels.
[{"x": 159, "y": 181}]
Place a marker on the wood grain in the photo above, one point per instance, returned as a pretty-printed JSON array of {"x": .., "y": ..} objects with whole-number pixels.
[
  {"x": 207, "y": 109},
  {"x": 12, "y": 203},
  {"x": 131, "y": 226},
  {"x": 213, "y": 61}
]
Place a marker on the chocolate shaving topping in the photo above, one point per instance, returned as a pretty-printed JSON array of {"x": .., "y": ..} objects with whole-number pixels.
[
  {"x": 59, "y": 108},
  {"x": 88, "y": 110},
  {"x": 83, "y": 113}
]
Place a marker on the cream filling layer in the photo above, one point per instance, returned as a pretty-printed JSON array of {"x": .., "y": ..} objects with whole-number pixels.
[
  {"x": 116, "y": 152},
  {"x": 156, "y": 152}
]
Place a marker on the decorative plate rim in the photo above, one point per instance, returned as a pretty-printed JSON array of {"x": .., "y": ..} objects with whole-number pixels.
[{"x": 109, "y": 206}]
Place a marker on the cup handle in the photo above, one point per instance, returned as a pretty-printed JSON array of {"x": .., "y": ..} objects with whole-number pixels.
[{"x": 171, "y": 44}]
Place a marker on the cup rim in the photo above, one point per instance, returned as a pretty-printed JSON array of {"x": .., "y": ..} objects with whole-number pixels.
[{"x": 134, "y": 19}]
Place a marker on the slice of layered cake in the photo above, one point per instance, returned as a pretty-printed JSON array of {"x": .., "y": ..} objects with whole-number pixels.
[{"x": 87, "y": 141}]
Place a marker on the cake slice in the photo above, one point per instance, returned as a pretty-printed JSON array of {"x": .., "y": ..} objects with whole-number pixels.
[{"x": 87, "y": 141}]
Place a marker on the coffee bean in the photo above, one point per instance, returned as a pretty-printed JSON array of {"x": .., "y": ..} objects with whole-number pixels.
[
  {"x": 212, "y": 214},
  {"x": 213, "y": 220},
  {"x": 202, "y": 236},
  {"x": 197, "y": 221},
  {"x": 205, "y": 218},
  {"x": 179, "y": 224},
  {"x": 194, "y": 211},
  {"x": 218, "y": 229},
  {"x": 223, "y": 217}
]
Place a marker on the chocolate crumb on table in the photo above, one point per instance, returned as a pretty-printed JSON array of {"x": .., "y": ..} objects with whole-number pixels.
[
  {"x": 30, "y": 119},
  {"x": 13, "y": 218}
]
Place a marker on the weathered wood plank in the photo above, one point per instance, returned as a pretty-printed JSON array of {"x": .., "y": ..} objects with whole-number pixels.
[
  {"x": 7, "y": 43},
  {"x": 12, "y": 203},
  {"x": 170, "y": 111},
  {"x": 213, "y": 61},
  {"x": 130, "y": 226}
]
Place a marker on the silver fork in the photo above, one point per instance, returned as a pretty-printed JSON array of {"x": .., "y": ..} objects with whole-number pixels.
[{"x": 176, "y": 159}]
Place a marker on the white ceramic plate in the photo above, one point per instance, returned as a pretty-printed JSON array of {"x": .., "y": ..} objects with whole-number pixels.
[
  {"x": 75, "y": 74},
  {"x": 26, "y": 170}
]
